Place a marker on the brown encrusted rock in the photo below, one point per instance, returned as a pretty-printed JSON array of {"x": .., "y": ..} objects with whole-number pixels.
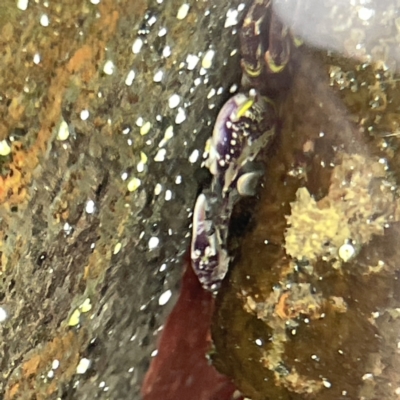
[
  {"x": 97, "y": 181},
  {"x": 308, "y": 309},
  {"x": 361, "y": 202}
]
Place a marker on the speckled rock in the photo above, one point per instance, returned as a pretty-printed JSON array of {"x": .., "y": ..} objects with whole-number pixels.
[{"x": 104, "y": 110}]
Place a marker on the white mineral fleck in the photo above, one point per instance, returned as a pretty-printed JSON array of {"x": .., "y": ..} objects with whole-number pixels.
[
  {"x": 211, "y": 93},
  {"x": 180, "y": 116},
  {"x": 83, "y": 366},
  {"x": 154, "y": 353},
  {"x": 109, "y": 67},
  {"x": 183, "y": 11},
  {"x": 63, "y": 131},
  {"x": 158, "y": 189},
  {"x": 206, "y": 62},
  {"x": 326, "y": 383},
  {"x": 158, "y": 76},
  {"x": 233, "y": 88},
  {"x": 140, "y": 166},
  {"x": 137, "y": 46},
  {"x": 168, "y": 195},
  {"x": 5, "y": 149},
  {"x": 191, "y": 61},
  {"x": 36, "y": 58},
  {"x": 194, "y": 156},
  {"x": 166, "y": 51},
  {"x": 152, "y": 20},
  {"x": 178, "y": 180},
  {"x": 153, "y": 242},
  {"x": 84, "y": 115},
  {"x": 90, "y": 207},
  {"x": 67, "y": 228},
  {"x": 365, "y": 13},
  {"x": 22, "y": 4},
  {"x": 44, "y": 20},
  {"x": 164, "y": 298},
  {"x": 117, "y": 248},
  {"x": 3, "y": 314},
  {"x": 130, "y": 77},
  {"x": 162, "y": 32},
  {"x": 174, "y": 100},
  {"x": 231, "y": 18},
  {"x": 160, "y": 156}
]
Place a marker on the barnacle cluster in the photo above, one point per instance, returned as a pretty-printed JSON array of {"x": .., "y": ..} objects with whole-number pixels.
[{"x": 361, "y": 202}]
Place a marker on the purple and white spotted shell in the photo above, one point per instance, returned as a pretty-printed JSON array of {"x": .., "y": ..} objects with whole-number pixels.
[
  {"x": 209, "y": 259},
  {"x": 243, "y": 127}
]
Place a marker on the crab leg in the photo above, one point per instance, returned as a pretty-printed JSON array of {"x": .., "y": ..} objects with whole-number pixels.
[
  {"x": 250, "y": 38},
  {"x": 265, "y": 46},
  {"x": 210, "y": 259}
]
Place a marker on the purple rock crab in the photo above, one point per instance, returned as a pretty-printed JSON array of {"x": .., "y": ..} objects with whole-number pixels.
[{"x": 245, "y": 125}]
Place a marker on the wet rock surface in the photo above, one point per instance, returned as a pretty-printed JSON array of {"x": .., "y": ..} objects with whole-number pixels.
[{"x": 105, "y": 108}]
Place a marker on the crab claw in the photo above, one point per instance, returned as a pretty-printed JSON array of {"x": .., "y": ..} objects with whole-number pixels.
[
  {"x": 278, "y": 54},
  {"x": 243, "y": 127},
  {"x": 266, "y": 45},
  {"x": 209, "y": 259},
  {"x": 251, "y": 45}
]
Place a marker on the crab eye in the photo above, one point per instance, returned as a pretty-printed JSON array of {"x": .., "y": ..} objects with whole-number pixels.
[
  {"x": 209, "y": 260},
  {"x": 243, "y": 127}
]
